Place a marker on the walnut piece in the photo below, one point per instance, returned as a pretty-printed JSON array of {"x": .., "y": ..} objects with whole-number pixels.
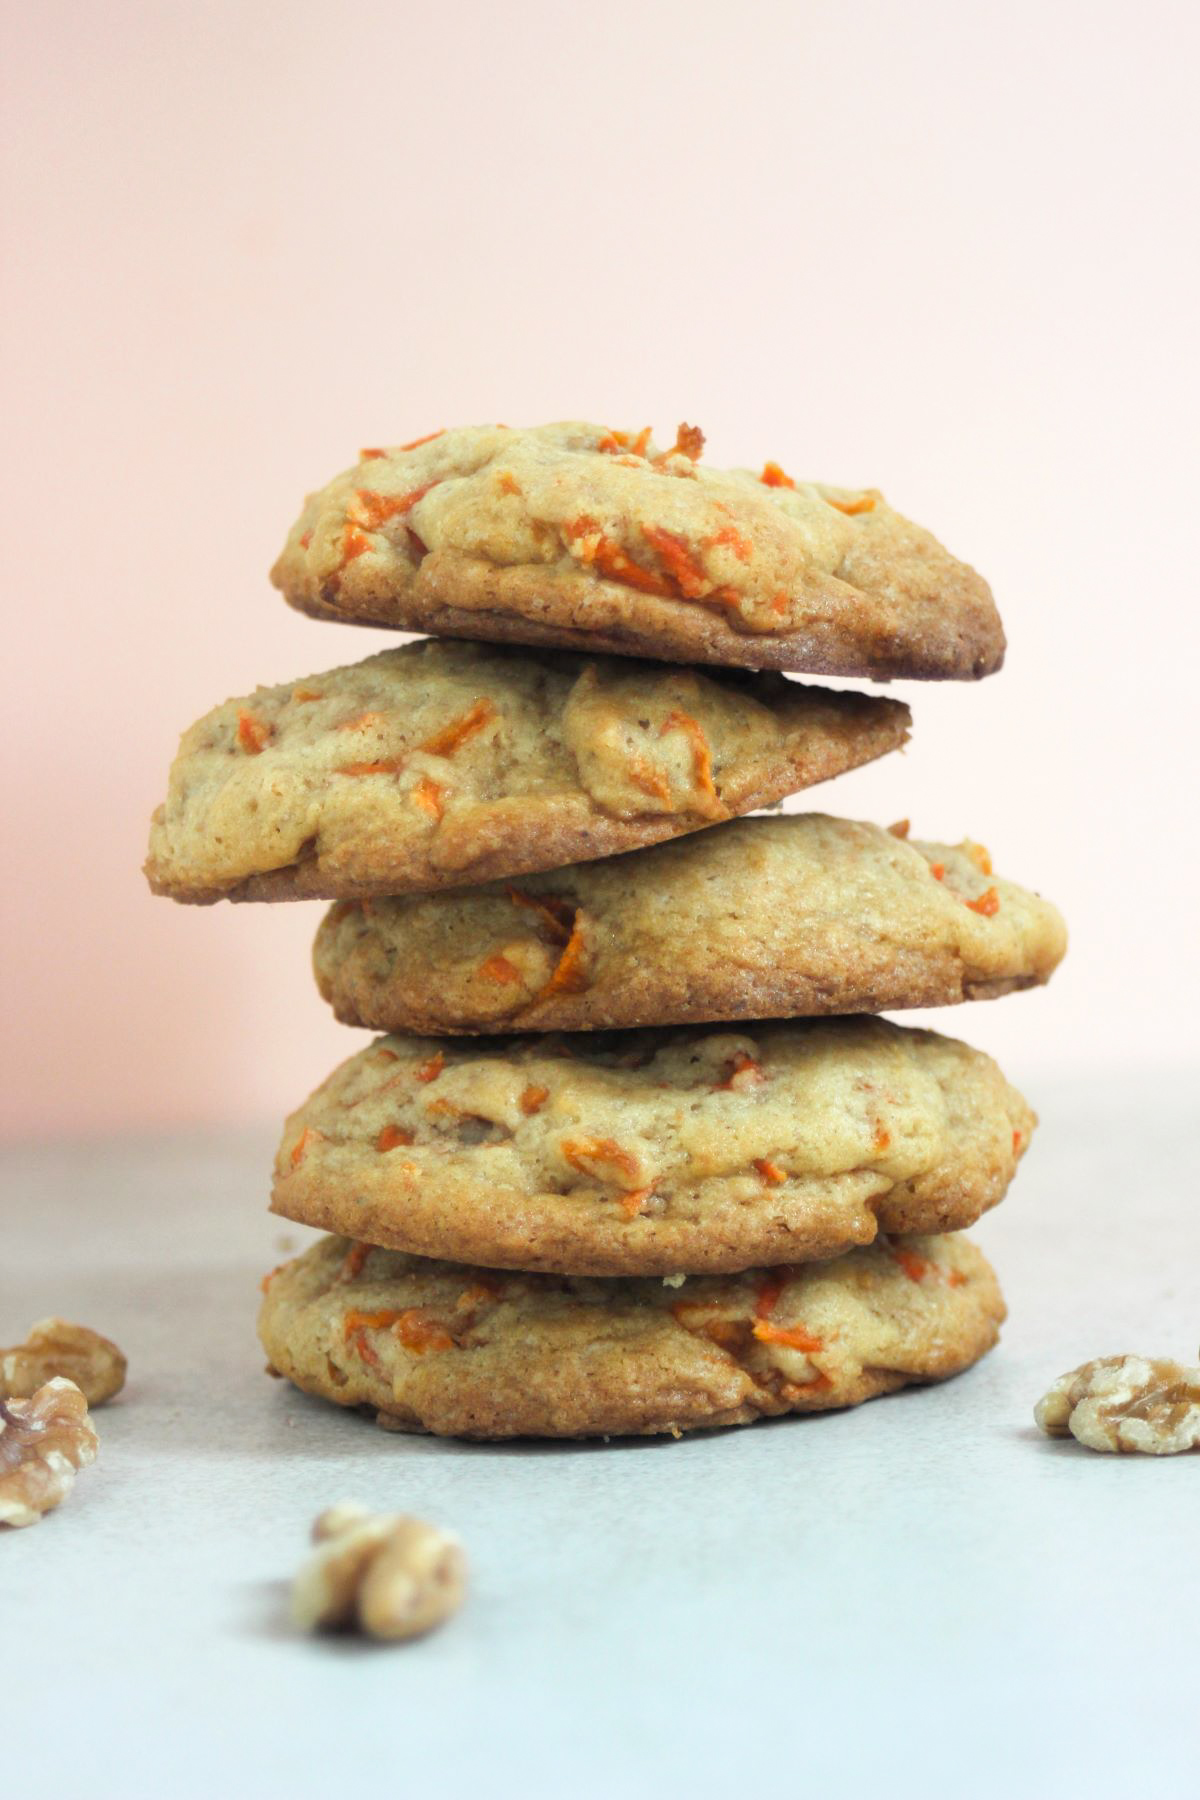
[
  {"x": 1130, "y": 1403},
  {"x": 56, "y": 1347},
  {"x": 393, "y": 1576},
  {"x": 43, "y": 1440}
]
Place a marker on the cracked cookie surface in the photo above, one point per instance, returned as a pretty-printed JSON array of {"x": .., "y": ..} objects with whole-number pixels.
[
  {"x": 586, "y": 538},
  {"x": 765, "y": 918},
  {"x": 643, "y": 1153},
  {"x": 444, "y": 762},
  {"x": 464, "y": 1352}
]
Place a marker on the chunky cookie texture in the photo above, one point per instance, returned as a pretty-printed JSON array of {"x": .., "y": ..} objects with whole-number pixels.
[
  {"x": 588, "y": 538},
  {"x": 766, "y": 918},
  {"x": 445, "y": 762},
  {"x": 465, "y": 1352},
  {"x": 644, "y": 1153}
]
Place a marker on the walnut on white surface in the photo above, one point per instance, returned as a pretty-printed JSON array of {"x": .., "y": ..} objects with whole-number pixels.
[
  {"x": 1126, "y": 1403},
  {"x": 56, "y": 1347},
  {"x": 43, "y": 1441},
  {"x": 392, "y": 1576}
]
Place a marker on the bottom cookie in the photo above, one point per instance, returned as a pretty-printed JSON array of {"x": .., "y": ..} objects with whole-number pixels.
[{"x": 477, "y": 1353}]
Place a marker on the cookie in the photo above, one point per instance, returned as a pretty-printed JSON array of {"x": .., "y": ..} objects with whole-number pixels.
[
  {"x": 645, "y": 1153},
  {"x": 440, "y": 763},
  {"x": 463, "y": 1352},
  {"x": 763, "y": 918},
  {"x": 589, "y": 539}
]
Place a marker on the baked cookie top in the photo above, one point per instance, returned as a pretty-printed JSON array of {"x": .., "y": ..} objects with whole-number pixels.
[
  {"x": 645, "y": 1153},
  {"x": 765, "y": 918},
  {"x": 464, "y": 1352},
  {"x": 445, "y": 762},
  {"x": 593, "y": 539}
]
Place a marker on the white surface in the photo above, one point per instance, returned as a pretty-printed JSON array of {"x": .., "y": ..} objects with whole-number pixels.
[{"x": 922, "y": 1596}]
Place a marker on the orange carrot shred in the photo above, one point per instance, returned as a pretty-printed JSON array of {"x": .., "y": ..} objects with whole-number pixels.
[
  {"x": 354, "y": 1261},
  {"x": 415, "y": 443},
  {"x": 769, "y": 1290},
  {"x": 689, "y": 442},
  {"x": 533, "y": 1099},
  {"x": 770, "y": 1171},
  {"x": 507, "y": 482},
  {"x": 300, "y": 1148},
  {"x": 557, "y": 916},
  {"x": 360, "y": 721},
  {"x": 981, "y": 858},
  {"x": 681, "y": 564},
  {"x": 392, "y": 1136},
  {"x": 780, "y": 604},
  {"x": 252, "y": 734},
  {"x": 914, "y": 1266},
  {"x": 701, "y": 755},
  {"x": 938, "y": 871},
  {"x": 265, "y": 1284},
  {"x": 430, "y": 797},
  {"x": 792, "y": 1337},
  {"x": 569, "y": 976},
  {"x": 773, "y": 476},
  {"x": 371, "y": 455},
  {"x": 650, "y": 780},
  {"x": 988, "y": 903},
  {"x": 429, "y": 1071},
  {"x": 373, "y": 510},
  {"x": 498, "y": 968},
  {"x": 1016, "y": 1139},
  {"x": 901, "y": 828},
  {"x": 582, "y": 1151},
  {"x": 451, "y": 737},
  {"x": 863, "y": 504},
  {"x": 737, "y": 541},
  {"x": 883, "y": 1137},
  {"x": 633, "y": 1200},
  {"x": 302, "y": 695},
  {"x": 419, "y": 1333},
  {"x": 741, "y": 1065},
  {"x": 389, "y": 765},
  {"x": 305, "y": 539},
  {"x": 586, "y": 540}
]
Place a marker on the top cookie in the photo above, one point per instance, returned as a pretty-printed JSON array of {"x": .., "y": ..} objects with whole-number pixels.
[
  {"x": 440, "y": 763},
  {"x": 591, "y": 539}
]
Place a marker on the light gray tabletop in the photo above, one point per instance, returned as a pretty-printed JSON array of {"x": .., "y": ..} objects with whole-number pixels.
[{"x": 921, "y": 1597}]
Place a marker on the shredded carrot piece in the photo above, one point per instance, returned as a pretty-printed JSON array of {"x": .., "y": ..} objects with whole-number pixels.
[
  {"x": 938, "y": 871},
  {"x": 388, "y": 765},
  {"x": 354, "y": 1262},
  {"x": 744, "y": 1072},
  {"x": 769, "y": 1290},
  {"x": 373, "y": 510},
  {"x": 780, "y": 604},
  {"x": 914, "y": 1266},
  {"x": 863, "y": 504},
  {"x": 770, "y": 1171},
  {"x": 429, "y": 797},
  {"x": 385, "y": 1055},
  {"x": 415, "y": 443},
  {"x": 300, "y": 1148},
  {"x": 901, "y": 828},
  {"x": 557, "y": 916},
  {"x": 268, "y": 1278},
  {"x": 533, "y": 1099},
  {"x": 507, "y": 482},
  {"x": 419, "y": 1333},
  {"x": 773, "y": 476},
  {"x": 305, "y": 539},
  {"x": 701, "y": 755},
  {"x": 429, "y": 1071},
  {"x": 302, "y": 695},
  {"x": 569, "y": 976},
  {"x": 452, "y": 737},
  {"x": 625, "y": 440},
  {"x": 633, "y": 1200},
  {"x": 883, "y": 1137},
  {"x": 586, "y": 540},
  {"x": 252, "y": 734},
  {"x": 955, "y": 1277},
  {"x": 981, "y": 858},
  {"x": 793, "y": 1337},
  {"x": 581, "y": 1152},
  {"x": 368, "y": 1321},
  {"x": 498, "y": 968},
  {"x": 446, "y": 1109},
  {"x": 650, "y": 780},
  {"x": 1016, "y": 1139},
  {"x": 680, "y": 562},
  {"x": 737, "y": 541},
  {"x": 354, "y": 543},
  {"x": 689, "y": 442},
  {"x": 988, "y": 903},
  {"x": 371, "y": 455},
  {"x": 392, "y": 1136},
  {"x": 476, "y": 1294}
]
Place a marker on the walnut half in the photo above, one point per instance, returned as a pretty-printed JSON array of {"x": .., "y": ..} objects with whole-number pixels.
[
  {"x": 1130, "y": 1403},
  {"x": 393, "y": 1576},
  {"x": 56, "y": 1347},
  {"x": 43, "y": 1441}
]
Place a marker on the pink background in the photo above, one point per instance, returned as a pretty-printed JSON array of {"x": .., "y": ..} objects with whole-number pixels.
[{"x": 946, "y": 249}]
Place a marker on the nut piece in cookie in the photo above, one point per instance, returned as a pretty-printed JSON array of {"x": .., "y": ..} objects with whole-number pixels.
[
  {"x": 587, "y": 538},
  {"x": 43, "y": 1441},
  {"x": 56, "y": 1347},
  {"x": 394, "y": 1577},
  {"x": 1149, "y": 1405}
]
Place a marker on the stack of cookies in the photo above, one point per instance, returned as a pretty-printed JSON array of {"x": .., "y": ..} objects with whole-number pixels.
[{"x": 635, "y": 1153}]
